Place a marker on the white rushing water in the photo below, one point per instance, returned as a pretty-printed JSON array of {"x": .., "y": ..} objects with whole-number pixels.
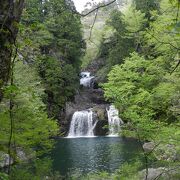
[
  {"x": 82, "y": 124},
  {"x": 114, "y": 121},
  {"x": 86, "y": 79}
]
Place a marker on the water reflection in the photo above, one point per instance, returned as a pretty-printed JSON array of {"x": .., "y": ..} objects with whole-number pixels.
[{"x": 92, "y": 154}]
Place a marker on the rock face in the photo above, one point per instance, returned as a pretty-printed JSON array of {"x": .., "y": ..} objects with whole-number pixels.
[
  {"x": 5, "y": 159},
  {"x": 95, "y": 65},
  {"x": 85, "y": 99}
]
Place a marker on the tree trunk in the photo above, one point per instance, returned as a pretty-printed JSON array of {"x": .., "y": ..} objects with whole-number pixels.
[{"x": 10, "y": 14}]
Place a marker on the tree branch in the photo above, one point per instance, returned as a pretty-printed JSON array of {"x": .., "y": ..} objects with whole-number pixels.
[
  {"x": 11, "y": 106},
  {"x": 144, "y": 153}
]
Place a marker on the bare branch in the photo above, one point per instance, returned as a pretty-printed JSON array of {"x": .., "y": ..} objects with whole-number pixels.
[
  {"x": 95, "y": 9},
  {"x": 93, "y": 24},
  {"x": 162, "y": 42},
  {"x": 177, "y": 11},
  {"x": 177, "y": 65}
]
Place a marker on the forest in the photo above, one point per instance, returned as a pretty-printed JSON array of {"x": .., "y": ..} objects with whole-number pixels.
[{"x": 91, "y": 95}]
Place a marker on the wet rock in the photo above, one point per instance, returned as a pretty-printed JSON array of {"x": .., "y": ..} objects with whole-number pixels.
[
  {"x": 70, "y": 109},
  {"x": 100, "y": 112},
  {"x": 5, "y": 159},
  {"x": 89, "y": 97},
  {"x": 97, "y": 96},
  {"x": 102, "y": 120},
  {"x": 101, "y": 128}
]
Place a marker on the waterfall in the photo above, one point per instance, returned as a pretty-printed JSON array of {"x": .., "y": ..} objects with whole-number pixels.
[
  {"x": 114, "y": 121},
  {"x": 82, "y": 124},
  {"x": 86, "y": 79}
]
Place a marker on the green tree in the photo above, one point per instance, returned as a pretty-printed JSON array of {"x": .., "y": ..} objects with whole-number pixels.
[
  {"x": 31, "y": 125},
  {"x": 146, "y": 6},
  {"x": 53, "y": 33},
  {"x": 145, "y": 88}
]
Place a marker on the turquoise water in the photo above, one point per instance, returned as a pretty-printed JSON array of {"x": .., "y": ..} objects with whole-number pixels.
[{"x": 92, "y": 154}]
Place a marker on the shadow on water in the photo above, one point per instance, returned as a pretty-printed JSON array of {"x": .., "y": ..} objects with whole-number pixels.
[{"x": 93, "y": 154}]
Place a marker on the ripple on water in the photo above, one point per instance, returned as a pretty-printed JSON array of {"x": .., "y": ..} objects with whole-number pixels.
[{"x": 91, "y": 154}]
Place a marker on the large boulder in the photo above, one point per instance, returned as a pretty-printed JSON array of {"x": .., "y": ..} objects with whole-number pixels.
[
  {"x": 159, "y": 173},
  {"x": 167, "y": 152},
  {"x": 5, "y": 160},
  {"x": 148, "y": 147},
  {"x": 152, "y": 173}
]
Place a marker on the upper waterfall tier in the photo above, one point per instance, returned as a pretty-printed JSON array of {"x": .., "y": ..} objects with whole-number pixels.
[
  {"x": 114, "y": 121},
  {"x": 82, "y": 124},
  {"x": 86, "y": 79}
]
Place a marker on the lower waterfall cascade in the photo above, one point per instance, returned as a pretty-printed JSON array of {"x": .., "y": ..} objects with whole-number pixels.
[
  {"x": 114, "y": 121},
  {"x": 82, "y": 124}
]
